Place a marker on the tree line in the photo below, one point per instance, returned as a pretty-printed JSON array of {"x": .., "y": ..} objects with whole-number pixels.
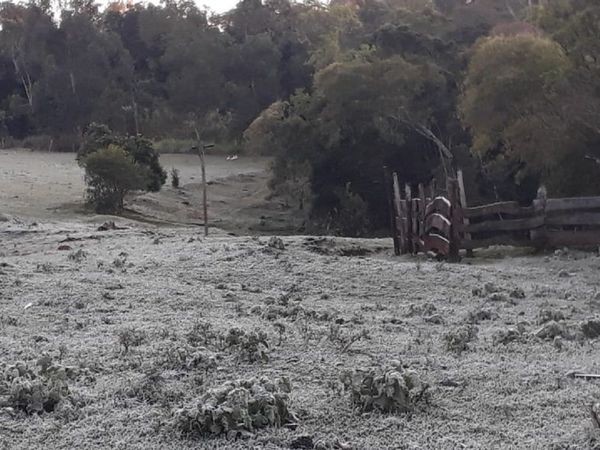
[{"x": 509, "y": 91}]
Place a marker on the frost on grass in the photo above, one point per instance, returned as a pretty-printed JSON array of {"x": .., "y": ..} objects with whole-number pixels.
[
  {"x": 552, "y": 329},
  {"x": 184, "y": 357},
  {"x": 458, "y": 340},
  {"x": 251, "y": 347},
  {"x": 237, "y": 409},
  {"x": 34, "y": 389},
  {"x": 390, "y": 390},
  {"x": 343, "y": 338},
  {"x": 130, "y": 337}
]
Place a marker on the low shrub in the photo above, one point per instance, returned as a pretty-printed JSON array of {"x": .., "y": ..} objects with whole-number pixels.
[
  {"x": 183, "y": 357},
  {"x": 458, "y": 340},
  {"x": 111, "y": 173},
  {"x": 35, "y": 389},
  {"x": 251, "y": 347},
  {"x": 237, "y": 408},
  {"x": 131, "y": 337},
  {"x": 390, "y": 390},
  {"x": 174, "y": 178}
]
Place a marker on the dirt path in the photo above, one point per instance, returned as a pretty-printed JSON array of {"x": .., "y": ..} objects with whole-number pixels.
[{"x": 506, "y": 387}]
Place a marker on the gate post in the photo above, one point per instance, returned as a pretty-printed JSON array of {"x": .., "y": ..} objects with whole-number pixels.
[
  {"x": 389, "y": 191},
  {"x": 456, "y": 219}
]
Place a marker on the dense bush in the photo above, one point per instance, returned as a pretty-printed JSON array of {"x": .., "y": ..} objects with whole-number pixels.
[
  {"x": 110, "y": 174},
  {"x": 140, "y": 149}
]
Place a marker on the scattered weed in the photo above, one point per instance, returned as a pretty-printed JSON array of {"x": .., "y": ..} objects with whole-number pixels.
[{"x": 130, "y": 337}]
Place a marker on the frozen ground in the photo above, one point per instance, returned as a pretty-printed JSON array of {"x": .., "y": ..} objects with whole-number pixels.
[
  {"x": 50, "y": 186},
  {"x": 113, "y": 307}
]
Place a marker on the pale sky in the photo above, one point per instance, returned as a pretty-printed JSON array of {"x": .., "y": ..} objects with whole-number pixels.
[{"x": 218, "y": 6}]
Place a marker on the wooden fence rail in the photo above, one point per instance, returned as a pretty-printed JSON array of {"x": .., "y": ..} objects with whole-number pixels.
[{"x": 443, "y": 223}]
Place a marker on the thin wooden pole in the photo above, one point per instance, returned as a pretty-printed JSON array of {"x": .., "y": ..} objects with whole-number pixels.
[
  {"x": 204, "y": 189},
  {"x": 400, "y": 215},
  {"x": 201, "y": 148},
  {"x": 422, "y": 205},
  {"x": 463, "y": 203},
  {"x": 389, "y": 191},
  {"x": 409, "y": 218},
  {"x": 456, "y": 219}
]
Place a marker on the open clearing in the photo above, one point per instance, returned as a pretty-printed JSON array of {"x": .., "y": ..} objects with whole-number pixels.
[
  {"x": 49, "y": 186},
  {"x": 115, "y": 306}
]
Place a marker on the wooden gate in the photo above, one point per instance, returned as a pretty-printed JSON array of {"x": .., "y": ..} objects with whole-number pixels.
[
  {"x": 423, "y": 221},
  {"x": 426, "y": 220}
]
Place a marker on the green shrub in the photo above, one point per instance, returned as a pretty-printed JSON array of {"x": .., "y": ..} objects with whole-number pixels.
[
  {"x": 99, "y": 137},
  {"x": 110, "y": 174}
]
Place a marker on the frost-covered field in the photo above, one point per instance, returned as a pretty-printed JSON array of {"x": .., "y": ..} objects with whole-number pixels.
[{"x": 120, "y": 339}]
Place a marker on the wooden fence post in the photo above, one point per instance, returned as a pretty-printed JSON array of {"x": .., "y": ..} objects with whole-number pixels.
[
  {"x": 204, "y": 189},
  {"x": 409, "y": 219},
  {"x": 422, "y": 204},
  {"x": 463, "y": 203},
  {"x": 456, "y": 219},
  {"x": 400, "y": 214},
  {"x": 538, "y": 236},
  {"x": 390, "y": 193}
]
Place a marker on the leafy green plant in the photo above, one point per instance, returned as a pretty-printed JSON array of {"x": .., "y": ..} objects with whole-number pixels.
[
  {"x": 110, "y": 173},
  {"x": 238, "y": 408},
  {"x": 390, "y": 390},
  {"x": 99, "y": 137}
]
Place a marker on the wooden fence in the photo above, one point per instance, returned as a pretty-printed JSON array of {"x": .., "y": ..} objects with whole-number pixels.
[{"x": 427, "y": 220}]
